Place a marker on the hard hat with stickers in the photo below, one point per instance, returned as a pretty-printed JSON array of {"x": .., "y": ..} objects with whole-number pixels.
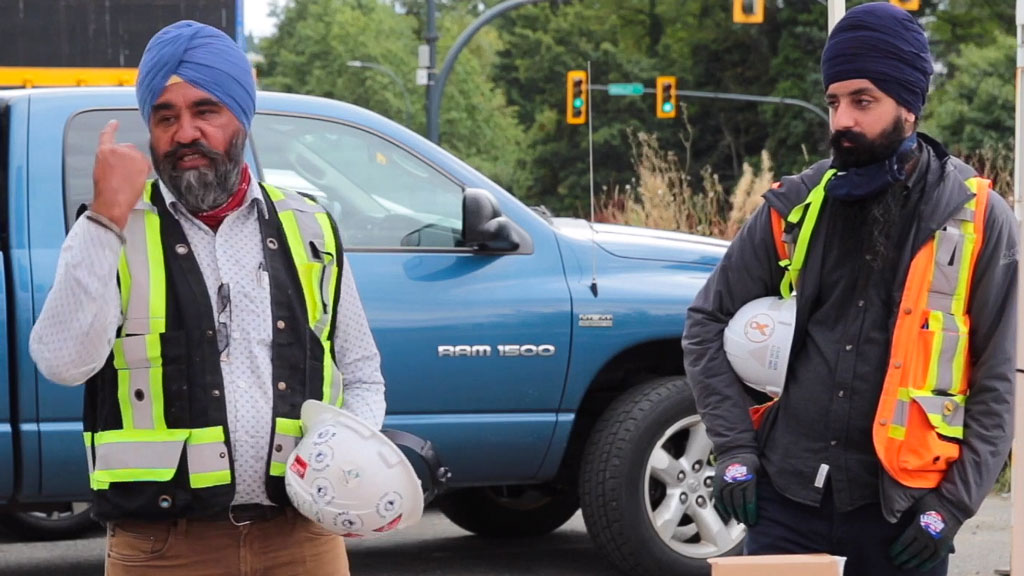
[{"x": 352, "y": 479}]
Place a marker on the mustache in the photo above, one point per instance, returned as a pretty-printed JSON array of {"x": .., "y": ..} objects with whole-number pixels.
[
  {"x": 856, "y": 139},
  {"x": 197, "y": 147}
]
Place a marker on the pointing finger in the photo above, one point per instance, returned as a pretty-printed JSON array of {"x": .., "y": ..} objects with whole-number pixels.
[{"x": 108, "y": 135}]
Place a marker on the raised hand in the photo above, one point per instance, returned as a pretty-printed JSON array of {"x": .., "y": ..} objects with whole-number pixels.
[{"x": 118, "y": 176}]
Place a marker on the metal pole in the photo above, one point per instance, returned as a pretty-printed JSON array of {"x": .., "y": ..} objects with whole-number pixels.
[
  {"x": 836, "y": 10},
  {"x": 1017, "y": 458},
  {"x": 398, "y": 81},
  {"x": 734, "y": 96},
  {"x": 434, "y": 103},
  {"x": 432, "y": 92}
]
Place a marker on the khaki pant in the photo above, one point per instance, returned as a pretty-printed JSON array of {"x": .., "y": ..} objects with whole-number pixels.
[{"x": 289, "y": 545}]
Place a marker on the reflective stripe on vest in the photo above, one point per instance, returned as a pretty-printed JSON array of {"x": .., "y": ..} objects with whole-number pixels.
[
  {"x": 919, "y": 421},
  {"x": 287, "y": 433},
  {"x": 311, "y": 242}
]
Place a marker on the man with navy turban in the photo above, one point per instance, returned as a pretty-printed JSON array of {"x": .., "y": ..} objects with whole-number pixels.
[
  {"x": 894, "y": 418},
  {"x": 183, "y": 305}
]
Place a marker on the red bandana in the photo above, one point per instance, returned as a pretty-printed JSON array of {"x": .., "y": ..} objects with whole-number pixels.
[{"x": 215, "y": 217}]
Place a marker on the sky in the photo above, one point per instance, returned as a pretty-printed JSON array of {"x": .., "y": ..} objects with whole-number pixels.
[{"x": 256, "y": 20}]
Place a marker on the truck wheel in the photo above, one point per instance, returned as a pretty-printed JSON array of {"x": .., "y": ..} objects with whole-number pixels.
[
  {"x": 646, "y": 484},
  {"x": 55, "y": 522},
  {"x": 510, "y": 511}
]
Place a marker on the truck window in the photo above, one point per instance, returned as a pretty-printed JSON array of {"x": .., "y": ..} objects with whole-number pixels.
[
  {"x": 80, "y": 141},
  {"x": 382, "y": 196}
]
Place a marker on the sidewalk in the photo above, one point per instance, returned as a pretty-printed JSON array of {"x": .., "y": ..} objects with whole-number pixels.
[{"x": 983, "y": 544}]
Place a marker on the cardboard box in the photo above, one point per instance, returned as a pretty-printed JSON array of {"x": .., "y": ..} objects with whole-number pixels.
[{"x": 778, "y": 565}]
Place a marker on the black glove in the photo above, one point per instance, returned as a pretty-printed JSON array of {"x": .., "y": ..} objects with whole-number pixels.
[
  {"x": 928, "y": 539},
  {"x": 736, "y": 487}
]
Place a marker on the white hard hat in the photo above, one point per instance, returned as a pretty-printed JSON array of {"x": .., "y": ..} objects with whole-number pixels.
[
  {"x": 758, "y": 340},
  {"x": 350, "y": 478}
]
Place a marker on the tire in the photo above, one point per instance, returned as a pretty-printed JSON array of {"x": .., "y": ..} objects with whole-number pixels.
[
  {"x": 510, "y": 511},
  {"x": 53, "y": 522},
  {"x": 645, "y": 484}
]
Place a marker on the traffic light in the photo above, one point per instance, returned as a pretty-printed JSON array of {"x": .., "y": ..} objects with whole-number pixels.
[
  {"x": 910, "y": 5},
  {"x": 576, "y": 97},
  {"x": 665, "y": 88},
  {"x": 751, "y": 11}
]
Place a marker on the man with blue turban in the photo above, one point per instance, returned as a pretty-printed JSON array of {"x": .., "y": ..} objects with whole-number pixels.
[
  {"x": 181, "y": 302},
  {"x": 894, "y": 419}
]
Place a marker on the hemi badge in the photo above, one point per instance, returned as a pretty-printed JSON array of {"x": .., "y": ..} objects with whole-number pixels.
[{"x": 597, "y": 320}]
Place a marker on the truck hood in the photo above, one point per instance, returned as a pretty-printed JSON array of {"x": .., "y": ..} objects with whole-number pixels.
[{"x": 644, "y": 243}]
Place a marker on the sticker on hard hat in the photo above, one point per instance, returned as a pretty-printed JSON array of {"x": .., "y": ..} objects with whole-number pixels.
[
  {"x": 389, "y": 504},
  {"x": 322, "y": 458},
  {"x": 933, "y": 523},
  {"x": 737, "y": 473},
  {"x": 759, "y": 328},
  {"x": 299, "y": 467},
  {"x": 390, "y": 525},
  {"x": 323, "y": 491},
  {"x": 324, "y": 435},
  {"x": 346, "y": 520}
]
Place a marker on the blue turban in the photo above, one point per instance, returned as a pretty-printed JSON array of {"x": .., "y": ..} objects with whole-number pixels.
[
  {"x": 202, "y": 56},
  {"x": 882, "y": 43}
]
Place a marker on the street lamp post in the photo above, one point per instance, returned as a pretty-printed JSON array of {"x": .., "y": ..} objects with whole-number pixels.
[{"x": 391, "y": 73}]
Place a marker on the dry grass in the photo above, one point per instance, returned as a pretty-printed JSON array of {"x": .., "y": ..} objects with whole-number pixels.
[
  {"x": 995, "y": 164},
  {"x": 663, "y": 197}
]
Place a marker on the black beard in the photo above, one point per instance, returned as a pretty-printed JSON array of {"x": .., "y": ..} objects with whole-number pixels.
[
  {"x": 202, "y": 189},
  {"x": 864, "y": 151}
]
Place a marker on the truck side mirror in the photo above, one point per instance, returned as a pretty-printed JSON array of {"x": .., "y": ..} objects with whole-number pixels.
[{"x": 485, "y": 228}]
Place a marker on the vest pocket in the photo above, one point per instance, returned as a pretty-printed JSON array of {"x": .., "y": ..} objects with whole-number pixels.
[
  {"x": 137, "y": 455},
  {"x": 933, "y": 431}
]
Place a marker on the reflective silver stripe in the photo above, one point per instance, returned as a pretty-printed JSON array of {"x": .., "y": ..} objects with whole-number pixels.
[
  {"x": 140, "y": 385},
  {"x": 209, "y": 457},
  {"x": 945, "y": 413},
  {"x": 287, "y": 445},
  {"x": 949, "y": 250},
  {"x": 88, "y": 452},
  {"x": 947, "y": 354},
  {"x": 328, "y": 272},
  {"x": 138, "y": 455},
  {"x": 899, "y": 417},
  {"x": 312, "y": 233},
  {"x": 136, "y": 320},
  {"x": 136, "y": 353},
  {"x": 336, "y": 387},
  {"x": 297, "y": 203}
]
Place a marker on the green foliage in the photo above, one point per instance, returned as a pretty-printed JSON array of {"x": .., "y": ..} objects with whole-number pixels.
[
  {"x": 503, "y": 106},
  {"x": 316, "y": 38},
  {"x": 973, "y": 109}
]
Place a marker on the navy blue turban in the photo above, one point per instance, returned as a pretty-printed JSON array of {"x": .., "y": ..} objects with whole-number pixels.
[
  {"x": 202, "y": 56},
  {"x": 882, "y": 43}
]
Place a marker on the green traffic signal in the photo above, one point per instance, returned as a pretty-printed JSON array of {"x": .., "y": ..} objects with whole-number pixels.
[
  {"x": 667, "y": 107},
  {"x": 577, "y": 103}
]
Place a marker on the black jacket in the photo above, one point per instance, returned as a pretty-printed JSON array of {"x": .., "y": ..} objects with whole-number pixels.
[{"x": 749, "y": 270}]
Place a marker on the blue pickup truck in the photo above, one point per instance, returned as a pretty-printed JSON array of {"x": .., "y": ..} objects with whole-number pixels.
[{"x": 540, "y": 355}]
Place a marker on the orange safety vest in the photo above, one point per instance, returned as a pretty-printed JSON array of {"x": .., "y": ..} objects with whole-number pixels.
[{"x": 919, "y": 419}]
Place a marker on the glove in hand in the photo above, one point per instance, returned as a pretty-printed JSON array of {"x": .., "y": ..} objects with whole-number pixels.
[
  {"x": 928, "y": 539},
  {"x": 736, "y": 488}
]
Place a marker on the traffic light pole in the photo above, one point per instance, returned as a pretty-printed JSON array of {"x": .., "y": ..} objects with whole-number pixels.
[
  {"x": 733, "y": 96},
  {"x": 435, "y": 89},
  {"x": 431, "y": 40}
]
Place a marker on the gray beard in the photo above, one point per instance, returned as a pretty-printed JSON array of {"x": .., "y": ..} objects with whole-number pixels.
[{"x": 204, "y": 189}]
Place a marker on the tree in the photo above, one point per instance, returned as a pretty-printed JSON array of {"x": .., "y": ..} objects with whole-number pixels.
[
  {"x": 316, "y": 38},
  {"x": 973, "y": 110}
]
